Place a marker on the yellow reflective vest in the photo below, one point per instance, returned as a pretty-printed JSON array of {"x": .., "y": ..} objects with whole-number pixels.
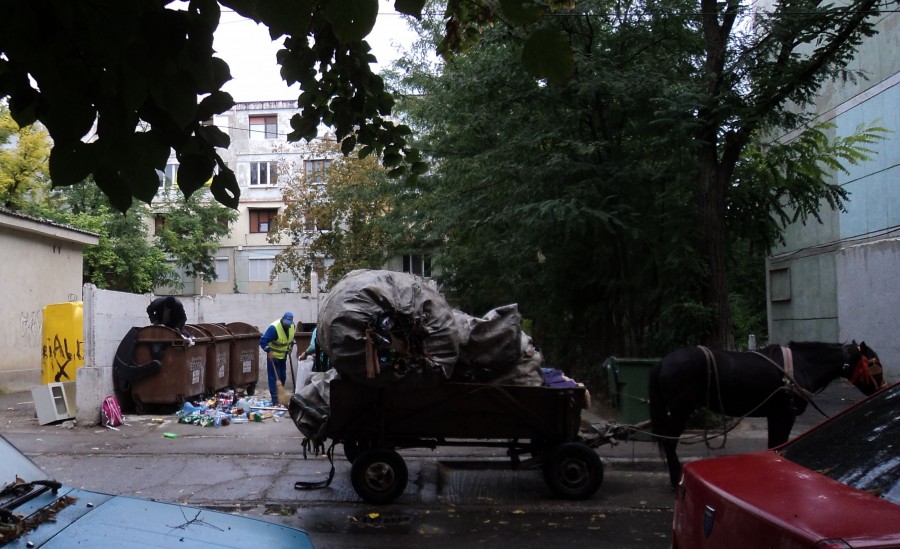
[{"x": 280, "y": 346}]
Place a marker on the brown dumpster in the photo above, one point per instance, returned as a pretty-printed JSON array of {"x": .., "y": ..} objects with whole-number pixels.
[
  {"x": 302, "y": 341},
  {"x": 244, "y": 370},
  {"x": 218, "y": 356},
  {"x": 183, "y": 365}
]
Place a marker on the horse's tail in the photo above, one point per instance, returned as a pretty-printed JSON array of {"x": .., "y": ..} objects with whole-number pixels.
[{"x": 658, "y": 413}]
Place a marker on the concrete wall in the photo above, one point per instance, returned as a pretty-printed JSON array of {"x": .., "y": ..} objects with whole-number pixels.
[
  {"x": 869, "y": 299},
  {"x": 108, "y": 316},
  {"x": 41, "y": 265}
]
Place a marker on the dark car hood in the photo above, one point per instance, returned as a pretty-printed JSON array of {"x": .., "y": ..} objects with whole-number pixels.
[
  {"x": 782, "y": 496},
  {"x": 91, "y": 519}
]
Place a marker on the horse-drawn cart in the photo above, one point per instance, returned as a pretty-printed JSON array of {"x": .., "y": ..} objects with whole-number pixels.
[{"x": 540, "y": 423}]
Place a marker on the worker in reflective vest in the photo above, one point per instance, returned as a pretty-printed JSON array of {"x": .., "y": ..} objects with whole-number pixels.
[{"x": 277, "y": 343}]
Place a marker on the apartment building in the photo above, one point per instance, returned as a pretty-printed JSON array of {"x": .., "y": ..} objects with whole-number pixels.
[{"x": 262, "y": 160}]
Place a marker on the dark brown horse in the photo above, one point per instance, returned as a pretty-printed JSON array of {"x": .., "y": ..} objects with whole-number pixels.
[{"x": 775, "y": 383}]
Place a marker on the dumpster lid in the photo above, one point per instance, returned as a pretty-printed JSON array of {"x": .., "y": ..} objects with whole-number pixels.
[
  {"x": 164, "y": 334},
  {"x": 217, "y": 332},
  {"x": 238, "y": 329}
]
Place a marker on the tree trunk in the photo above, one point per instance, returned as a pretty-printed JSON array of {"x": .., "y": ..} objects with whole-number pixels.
[{"x": 714, "y": 239}]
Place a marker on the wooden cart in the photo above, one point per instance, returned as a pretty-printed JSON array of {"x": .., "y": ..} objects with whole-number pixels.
[{"x": 540, "y": 423}]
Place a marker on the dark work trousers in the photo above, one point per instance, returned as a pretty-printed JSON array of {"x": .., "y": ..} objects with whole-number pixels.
[{"x": 276, "y": 366}]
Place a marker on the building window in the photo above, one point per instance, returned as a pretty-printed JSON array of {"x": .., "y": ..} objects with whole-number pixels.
[
  {"x": 159, "y": 223},
  {"x": 263, "y": 127},
  {"x": 780, "y": 284},
  {"x": 263, "y": 173},
  {"x": 261, "y": 268},
  {"x": 222, "y": 269},
  {"x": 261, "y": 220},
  {"x": 417, "y": 264},
  {"x": 180, "y": 271},
  {"x": 168, "y": 178},
  {"x": 315, "y": 169}
]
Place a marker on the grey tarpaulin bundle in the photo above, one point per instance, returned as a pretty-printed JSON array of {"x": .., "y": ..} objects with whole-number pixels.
[
  {"x": 395, "y": 331},
  {"x": 388, "y": 329}
]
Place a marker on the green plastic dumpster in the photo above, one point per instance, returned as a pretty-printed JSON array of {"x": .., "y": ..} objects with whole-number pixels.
[{"x": 628, "y": 380}]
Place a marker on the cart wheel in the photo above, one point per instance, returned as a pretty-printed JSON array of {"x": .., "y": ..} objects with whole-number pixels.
[
  {"x": 251, "y": 389},
  {"x": 379, "y": 475},
  {"x": 573, "y": 470},
  {"x": 352, "y": 448}
]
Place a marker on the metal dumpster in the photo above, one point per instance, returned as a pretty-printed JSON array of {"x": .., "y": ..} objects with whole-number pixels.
[
  {"x": 244, "y": 368},
  {"x": 628, "y": 382},
  {"x": 303, "y": 336},
  {"x": 218, "y": 356},
  {"x": 183, "y": 365}
]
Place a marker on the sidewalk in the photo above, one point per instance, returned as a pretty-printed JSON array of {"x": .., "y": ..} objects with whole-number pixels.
[{"x": 279, "y": 435}]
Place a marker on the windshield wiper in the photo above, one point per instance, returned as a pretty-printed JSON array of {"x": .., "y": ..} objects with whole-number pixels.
[{"x": 24, "y": 492}]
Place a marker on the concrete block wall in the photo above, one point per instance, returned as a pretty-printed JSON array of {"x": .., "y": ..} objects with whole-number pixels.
[
  {"x": 869, "y": 299},
  {"x": 109, "y": 315}
]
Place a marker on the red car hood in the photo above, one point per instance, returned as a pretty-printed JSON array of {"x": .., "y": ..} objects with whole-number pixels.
[{"x": 764, "y": 500}]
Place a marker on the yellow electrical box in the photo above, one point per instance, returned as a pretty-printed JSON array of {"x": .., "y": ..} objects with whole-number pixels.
[{"x": 63, "y": 342}]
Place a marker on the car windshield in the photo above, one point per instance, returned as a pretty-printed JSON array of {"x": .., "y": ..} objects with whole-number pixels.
[
  {"x": 14, "y": 463},
  {"x": 859, "y": 448}
]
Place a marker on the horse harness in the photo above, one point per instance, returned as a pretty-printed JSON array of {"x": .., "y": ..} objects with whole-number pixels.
[{"x": 790, "y": 384}]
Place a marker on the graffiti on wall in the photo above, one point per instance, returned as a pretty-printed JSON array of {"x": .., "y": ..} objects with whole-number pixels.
[
  {"x": 30, "y": 323},
  {"x": 62, "y": 355}
]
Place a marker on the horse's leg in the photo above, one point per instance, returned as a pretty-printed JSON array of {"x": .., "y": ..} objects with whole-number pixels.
[
  {"x": 780, "y": 426},
  {"x": 672, "y": 461},
  {"x": 669, "y": 443}
]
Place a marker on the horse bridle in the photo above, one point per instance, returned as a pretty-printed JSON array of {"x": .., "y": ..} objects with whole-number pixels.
[{"x": 865, "y": 368}]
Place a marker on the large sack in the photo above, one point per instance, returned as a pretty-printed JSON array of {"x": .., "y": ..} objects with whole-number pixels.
[
  {"x": 490, "y": 342},
  {"x": 310, "y": 407},
  {"x": 494, "y": 349},
  {"x": 388, "y": 329}
]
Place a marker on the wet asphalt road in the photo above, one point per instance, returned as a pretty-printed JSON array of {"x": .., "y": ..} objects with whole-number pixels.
[{"x": 456, "y": 497}]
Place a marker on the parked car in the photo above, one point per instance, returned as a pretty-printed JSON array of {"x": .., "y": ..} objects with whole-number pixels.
[
  {"x": 835, "y": 486},
  {"x": 36, "y": 511}
]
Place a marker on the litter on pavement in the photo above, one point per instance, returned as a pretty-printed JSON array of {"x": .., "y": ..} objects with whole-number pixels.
[{"x": 223, "y": 410}]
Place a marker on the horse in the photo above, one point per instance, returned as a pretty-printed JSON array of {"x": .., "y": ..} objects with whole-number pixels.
[{"x": 775, "y": 383}]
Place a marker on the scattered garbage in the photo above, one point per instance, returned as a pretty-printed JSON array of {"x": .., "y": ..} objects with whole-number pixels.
[{"x": 226, "y": 408}]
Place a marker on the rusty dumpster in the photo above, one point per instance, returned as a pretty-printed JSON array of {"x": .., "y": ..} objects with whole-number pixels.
[
  {"x": 244, "y": 357},
  {"x": 218, "y": 357},
  {"x": 183, "y": 365}
]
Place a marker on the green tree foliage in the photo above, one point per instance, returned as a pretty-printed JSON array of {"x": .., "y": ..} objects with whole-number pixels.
[
  {"x": 338, "y": 214},
  {"x": 191, "y": 232},
  {"x": 580, "y": 201},
  {"x": 125, "y": 259},
  {"x": 145, "y": 63},
  {"x": 547, "y": 196},
  {"x": 753, "y": 79},
  {"x": 23, "y": 162}
]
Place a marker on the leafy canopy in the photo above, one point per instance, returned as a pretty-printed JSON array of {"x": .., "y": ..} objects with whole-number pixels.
[
  {"x": 336, "y": 214},
  {"x": 23, "y": 162},
  {"x": 582, "y": 201},
  {"x": 120, "y": 84}
]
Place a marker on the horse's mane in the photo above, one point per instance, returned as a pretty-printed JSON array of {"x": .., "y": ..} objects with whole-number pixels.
[{"x": 813, "y": 345}]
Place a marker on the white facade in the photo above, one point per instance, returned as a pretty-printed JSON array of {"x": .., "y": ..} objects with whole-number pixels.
[{"x": 42, "y": 265}]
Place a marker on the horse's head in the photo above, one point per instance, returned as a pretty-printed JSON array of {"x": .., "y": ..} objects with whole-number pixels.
[{"x": 862, "y": 367}]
